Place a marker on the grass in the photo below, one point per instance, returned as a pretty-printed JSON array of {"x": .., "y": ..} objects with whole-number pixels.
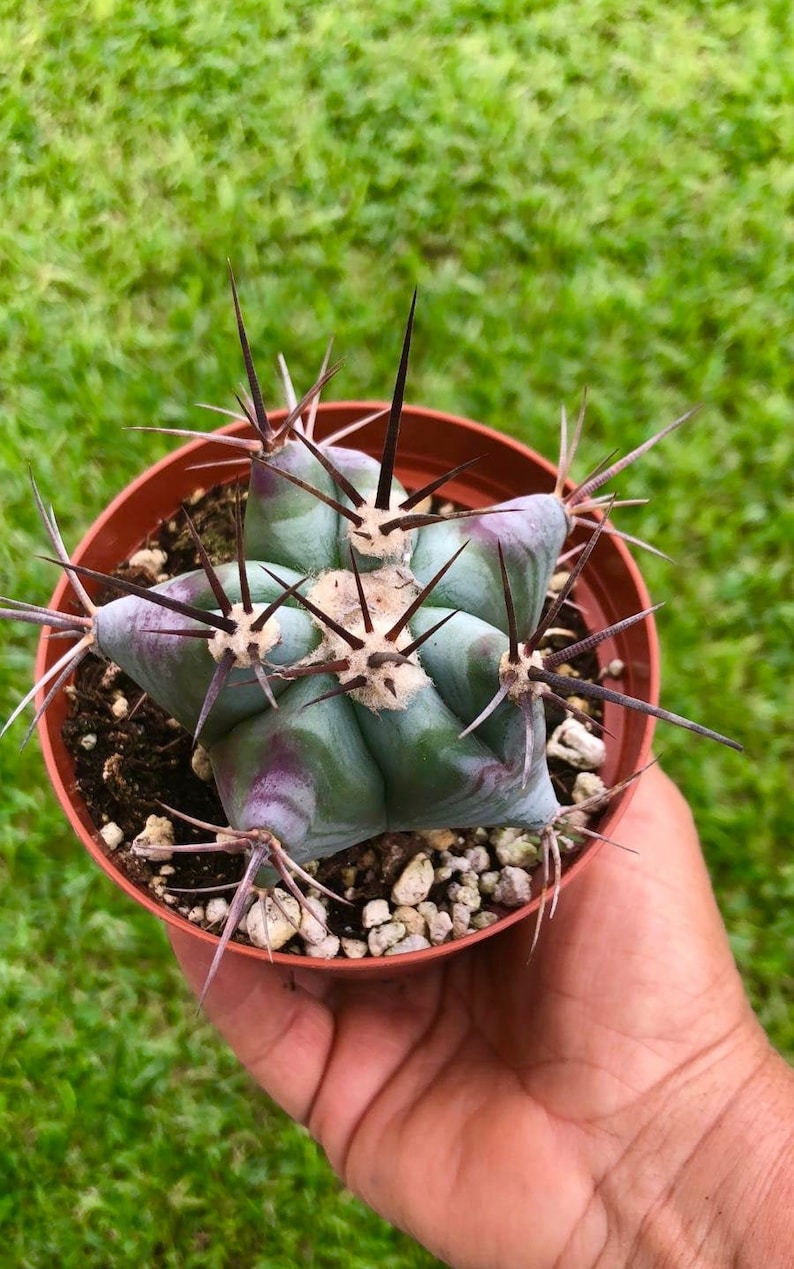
[{"x": 588, "y": 193}]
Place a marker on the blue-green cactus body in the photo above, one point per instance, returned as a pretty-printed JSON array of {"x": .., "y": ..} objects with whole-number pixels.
[
  {"x": 531, "y": 532},
  {"x": 304, "y": 774},
  {"x": 296, "y": 532},
  {"x": 433, "y": 776},
  {"x": 177, "y": 671},
  {"x": 285, "y": 525},
  {"x": 321, "y": 775}
]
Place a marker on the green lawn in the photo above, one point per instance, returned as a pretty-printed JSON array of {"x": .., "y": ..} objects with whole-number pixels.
[{"x": 585, "y": 193}]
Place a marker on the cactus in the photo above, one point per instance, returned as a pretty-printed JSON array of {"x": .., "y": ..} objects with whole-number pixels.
[{"x": 361, "y": 664}]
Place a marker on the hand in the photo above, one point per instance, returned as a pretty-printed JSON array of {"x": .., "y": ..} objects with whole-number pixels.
[{"x": 583, "y": 1108}]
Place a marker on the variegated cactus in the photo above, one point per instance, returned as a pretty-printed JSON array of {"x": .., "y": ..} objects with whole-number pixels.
[{"x": 363, "y": 664}]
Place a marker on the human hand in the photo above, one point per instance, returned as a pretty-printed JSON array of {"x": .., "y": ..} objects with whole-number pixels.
[{"x": 591, "y": 1106}]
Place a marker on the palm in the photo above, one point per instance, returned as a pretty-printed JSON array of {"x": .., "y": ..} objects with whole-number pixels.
[{"x": 453, "y": 1099}]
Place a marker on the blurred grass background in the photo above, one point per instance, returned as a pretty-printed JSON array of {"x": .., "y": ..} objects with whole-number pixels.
[{"x": 584, "y": 193}]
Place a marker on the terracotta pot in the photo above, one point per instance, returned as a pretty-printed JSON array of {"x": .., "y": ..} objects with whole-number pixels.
[{"x": 430, "y": 444}]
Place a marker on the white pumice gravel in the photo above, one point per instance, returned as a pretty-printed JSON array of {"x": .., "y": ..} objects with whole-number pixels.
[
  {"x": 110, "y": 674},
  {"x": 411, "y": 943},
  {"x": 587, "y": 785},
  {"x": 514, "y": 848},
  {"x": 478, "y": 858},
  {"x": 488, "y": 882},
  {"x": 439, "y": 928},
  {"x": 469, "y": 895},
  {"x": 376, "y": 912},
  {"x": 428, "y": 909},
  {"x": 313, "y": 928},
  {"x": 458, "y": 863},
  {"x": 196, "y": 914},
  {"x": 88, "y": 741},
  {"x": 354, "y": 949},
  {"x": 574, "y": 818},
  {"x": 438, "y": 838},
  {"x": 120, "y": 707},
  {"x": 482, "y": 920},
  {"x": 574, "y": 744},
  {"x": 325, "y": 949},
  {"x": 200, "y": 764},
  {"x": 613, "y": 669},
  {"x": 266, "y": 925},
  {"x": 461, "y": 920},
  {"x": 449, "y": 865},
  {"x": 415, "y": 882},
  {"x": 506, "y": 836},
  {"x": 156, "y": 839},
  {"x": 385, "y": 936},
  {"x": 216, "y": 911},
  {"x": 111, "y": 835},
  {"x": 151, "y": 560},
  {"x": 514, "y": 888},
  {"x": 411, "y": 918}
]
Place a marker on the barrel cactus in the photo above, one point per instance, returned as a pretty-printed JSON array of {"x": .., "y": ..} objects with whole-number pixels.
[{"x": 364, "y": 663}]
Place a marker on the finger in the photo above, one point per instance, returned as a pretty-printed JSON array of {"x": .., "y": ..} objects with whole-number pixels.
[{"x": 280, "y": 1032}]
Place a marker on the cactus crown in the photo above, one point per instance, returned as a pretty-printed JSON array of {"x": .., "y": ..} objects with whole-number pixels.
[{"x": 364, "y": 662}]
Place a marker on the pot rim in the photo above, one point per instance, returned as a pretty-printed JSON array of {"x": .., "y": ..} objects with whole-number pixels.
[{"x": 59, "y": 763}]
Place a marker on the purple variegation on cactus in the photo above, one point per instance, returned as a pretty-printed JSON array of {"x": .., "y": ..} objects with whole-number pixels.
[{"x": 363, "y": 663}]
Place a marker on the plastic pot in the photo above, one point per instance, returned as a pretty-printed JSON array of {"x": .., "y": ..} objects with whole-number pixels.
[{"x": 431, "y": 442}]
